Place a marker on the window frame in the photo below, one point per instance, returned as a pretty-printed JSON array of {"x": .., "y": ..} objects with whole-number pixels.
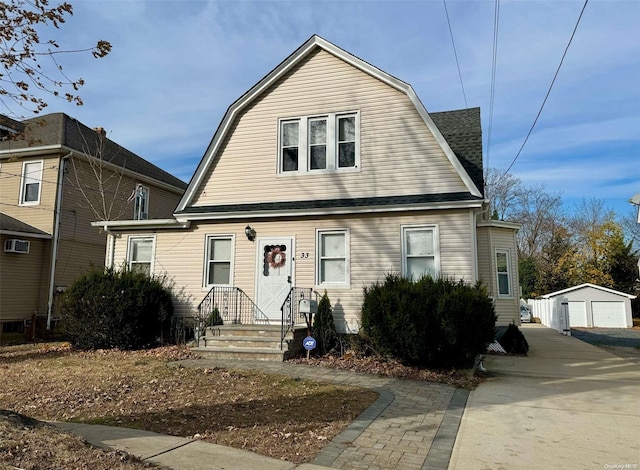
[
  {"x": 404, "y": 229},
  {"x": 346, "y": 284},
  {"x": 23, "y": 183},
  {"x": 137, "y": 213},
  {"x": 134, "y": 238},
  {"x": 207, "y": 261},
  {"x": 331, "y": 145},
  {"x": 507, "y": 252}
]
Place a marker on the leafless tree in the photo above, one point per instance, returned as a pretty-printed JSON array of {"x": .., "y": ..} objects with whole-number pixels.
[{"x": 28, "y": 63}]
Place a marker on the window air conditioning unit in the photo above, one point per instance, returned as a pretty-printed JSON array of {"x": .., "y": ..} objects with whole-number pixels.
[{"x": 13, "y": 245}]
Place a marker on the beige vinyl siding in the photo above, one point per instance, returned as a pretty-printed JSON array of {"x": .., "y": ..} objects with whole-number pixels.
[
  {"x": 491, "y": 239},
  {"x": 395, "y": 144},
  {"x": 39, "y": 215},
  {"x": 23, "y": 282},
  {"x": 375, "y": 242}
]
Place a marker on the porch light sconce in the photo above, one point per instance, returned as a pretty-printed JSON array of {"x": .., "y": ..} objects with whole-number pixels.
[{"x": 250, "y": 233}]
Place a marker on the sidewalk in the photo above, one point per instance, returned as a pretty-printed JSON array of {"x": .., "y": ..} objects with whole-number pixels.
[
  {"x": 412, "y": 426},
  {"x": 567, "y": 404}
]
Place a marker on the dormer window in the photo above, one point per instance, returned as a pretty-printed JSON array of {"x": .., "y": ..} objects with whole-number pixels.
[{"x": 324, "y": 143}]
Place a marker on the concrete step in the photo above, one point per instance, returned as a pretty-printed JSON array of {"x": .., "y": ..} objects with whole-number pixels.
[
  {"x": 243, "y": 341},
  {"x": 244, "y": 330},
  {"x": 262, "y": 354}
]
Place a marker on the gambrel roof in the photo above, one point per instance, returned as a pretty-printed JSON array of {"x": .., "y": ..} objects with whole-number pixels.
[{"x": 456, "y": 132}]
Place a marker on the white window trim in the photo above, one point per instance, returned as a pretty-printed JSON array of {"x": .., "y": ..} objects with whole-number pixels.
[
  {"x": 347, "y": 247},
  {"x": 205, "y": 270},
  {"x": 436, "y": 242},
  {"x": 507, "y": 251},
  {"x": 331, "y": 144},
  {"x": 136, "y": 213},
  {"x": 21, "y": 200},
  {"x": 130, "y": 241}
]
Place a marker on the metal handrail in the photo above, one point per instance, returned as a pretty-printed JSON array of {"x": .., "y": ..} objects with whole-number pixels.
[
  {"x": 290, "y": 311},
  {"x": 231, "y": 305}
]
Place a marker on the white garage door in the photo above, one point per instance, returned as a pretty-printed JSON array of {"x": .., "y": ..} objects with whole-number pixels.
[
  {"x": 608, "y": 314},
  {"x": 577, "y": 313}
]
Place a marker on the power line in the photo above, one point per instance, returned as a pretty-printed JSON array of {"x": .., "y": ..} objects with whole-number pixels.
[
  {"x": 494, "y": 62},
  {"x": 455, "y": 53},
  {"x": 549, "y": 90}
]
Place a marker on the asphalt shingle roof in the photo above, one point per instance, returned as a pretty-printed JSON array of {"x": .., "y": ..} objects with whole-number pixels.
[
  {"x": 9, "y": 224},
  {"x": 60, "y": 129},
  {"x": 462, "y": 130}
]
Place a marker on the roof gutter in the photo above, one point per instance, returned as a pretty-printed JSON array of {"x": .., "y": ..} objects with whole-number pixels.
[{"x": 119, "y": 225}]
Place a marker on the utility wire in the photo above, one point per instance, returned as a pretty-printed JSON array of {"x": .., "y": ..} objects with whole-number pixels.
[
  {"x": 549, "y": 90},
  {"x": 494, "y": 62},
  {"x": 455, "y": 53}
]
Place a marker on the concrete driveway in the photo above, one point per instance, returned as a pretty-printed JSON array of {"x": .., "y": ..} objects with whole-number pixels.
[{"x": 567, "y": 405}]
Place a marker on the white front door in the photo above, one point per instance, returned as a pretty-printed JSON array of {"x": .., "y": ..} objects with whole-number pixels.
[{"x": 274, "y": 274}]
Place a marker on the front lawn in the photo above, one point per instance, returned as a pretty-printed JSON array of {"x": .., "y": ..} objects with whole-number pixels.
[{"x": 272, "y": 415}]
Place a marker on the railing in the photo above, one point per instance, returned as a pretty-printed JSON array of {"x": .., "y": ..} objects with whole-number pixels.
[
  {"x": 290, "y": 312},
  {"x": 228, "y": 305}
]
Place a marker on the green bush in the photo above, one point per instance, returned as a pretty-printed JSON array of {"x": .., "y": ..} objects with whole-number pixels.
[
  {"x": 324, "y": 329},
  {"x": 437, "y": 323},
  {"x": 116, "y": 309},
  {"x": 513, "y": 341}
]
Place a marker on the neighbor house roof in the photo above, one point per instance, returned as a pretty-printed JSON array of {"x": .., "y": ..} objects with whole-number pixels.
[
  {"x": 297, "y": 57},
  {"x": 582, "y": 286},
  {"x": 11, "y": 226},
  {"x": 60, "y": 129}
]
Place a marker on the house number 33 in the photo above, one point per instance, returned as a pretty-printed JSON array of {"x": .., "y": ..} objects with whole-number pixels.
[{"x": 304, "y": 255}]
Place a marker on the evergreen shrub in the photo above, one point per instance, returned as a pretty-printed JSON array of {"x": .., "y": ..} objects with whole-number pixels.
[
  {"x": 324, "y": 329},
  {"x": 116, "y": 309},
  {"x": 513, "y": 341},
  {"x": 437, "y": 323}
]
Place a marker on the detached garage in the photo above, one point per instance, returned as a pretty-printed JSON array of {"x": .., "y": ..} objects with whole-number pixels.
[{"x": 594, "y": 306}]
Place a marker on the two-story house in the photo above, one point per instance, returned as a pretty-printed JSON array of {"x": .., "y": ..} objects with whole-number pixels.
[
  {"x": 56, "y": 177},
  {"x": 326, "y": 175}
]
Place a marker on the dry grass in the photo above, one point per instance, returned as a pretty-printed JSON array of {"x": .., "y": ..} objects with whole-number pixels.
[{"x": 272, "y": 415}]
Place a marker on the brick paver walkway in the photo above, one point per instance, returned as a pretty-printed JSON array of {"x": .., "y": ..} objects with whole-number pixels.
[{"x": 412, "y": 425}]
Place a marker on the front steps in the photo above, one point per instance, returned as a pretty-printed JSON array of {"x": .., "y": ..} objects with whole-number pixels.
[{"x": 258, "y": 342}]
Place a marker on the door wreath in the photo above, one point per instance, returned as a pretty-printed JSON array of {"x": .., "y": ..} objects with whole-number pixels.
[{"x": 276, "y": 257}]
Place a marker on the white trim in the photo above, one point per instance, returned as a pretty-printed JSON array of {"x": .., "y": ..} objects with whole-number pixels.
[
  {"x": 347, "y": 258},
  {"x": 13, "y": 233},
  {"x": 588, "y": 284},
  {"x": 436, "y": 245},
  {"x": 21, "y": 201},
  {"x": 284, "y": 68},
  {"x": 510, "y": 274},
  {"x": 500, "y": 224},
  {"x": 32, "y": 151},
  {"x": 473, "y": 231},
  {"x": 132, "y": 238},
  {"x": 145, "y": 194},
  {"x": 109, "y": 225},
  {"x": 205, "y": 264},
  {"x": 328, "y": 211}
]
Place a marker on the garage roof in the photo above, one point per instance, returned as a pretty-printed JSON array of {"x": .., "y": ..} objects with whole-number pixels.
[{"x": 582, "y": 286}]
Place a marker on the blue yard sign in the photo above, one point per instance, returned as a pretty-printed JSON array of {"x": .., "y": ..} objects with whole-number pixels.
[{"x": 309, "y": 343}]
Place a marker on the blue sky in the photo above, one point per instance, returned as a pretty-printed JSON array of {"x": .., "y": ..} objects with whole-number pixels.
[{"x": 177, "y": 65}]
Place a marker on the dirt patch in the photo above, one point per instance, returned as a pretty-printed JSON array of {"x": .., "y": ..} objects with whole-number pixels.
[
  {"x": 394, "y": 369},
  {"x": 272, "y": 415}
]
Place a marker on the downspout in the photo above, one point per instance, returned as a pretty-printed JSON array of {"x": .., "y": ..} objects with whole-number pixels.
[{"x": 56, "y": 236}]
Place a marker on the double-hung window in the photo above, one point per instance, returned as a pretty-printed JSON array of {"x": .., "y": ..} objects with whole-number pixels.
[
  {"x": 332, "y": 258},
  {"x": 503, "y": 273},
  {"x": 322, "y": 143},
  {"x": 420, "y": 251},
  {"x": 140, "y": 254},
  {"x": 141, "y": 203},
  {"x": 219, "y": 260},
  {"x": 31, "y": 183}
]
